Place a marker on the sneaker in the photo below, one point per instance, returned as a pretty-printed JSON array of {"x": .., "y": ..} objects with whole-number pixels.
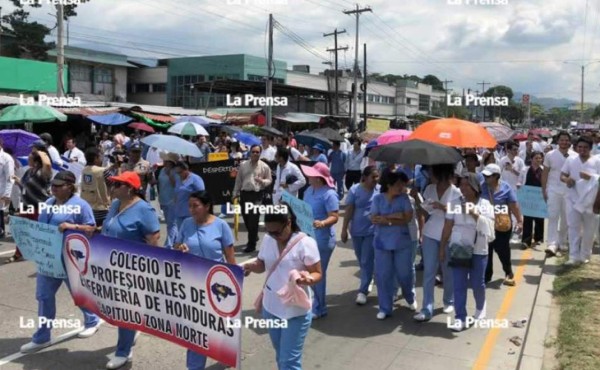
[
  {"x": 413, "y": 306},
  {"x": 88, "y": 332},
  {"x": 448, "y": 308},
  {"x": 421, "y": 317},
  {"x": 480, "y": 314},
  {"x": 585, "y": 261},
  {"x": 118, "y": 361},
  {"x": 361, "y": 298},
  {"x": 551, "y": 250},
  {"x": 381, "y": 315},
  {"x": 524, "y": 246},
  {"x": 571, "y": 262},
  {"x": 33, "y": 347},
  {"x": 457, "y": 325},
  {"x": 509, "y": 281}
]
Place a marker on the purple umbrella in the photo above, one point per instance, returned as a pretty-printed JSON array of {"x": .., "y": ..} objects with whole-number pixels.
[{"x": 18, "y": 141}]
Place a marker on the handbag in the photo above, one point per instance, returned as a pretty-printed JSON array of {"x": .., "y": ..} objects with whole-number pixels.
[
  {"x": 259, "y": 299},
  {"x": 461, "y": 255},
  {"x": 502, "y": 221}
]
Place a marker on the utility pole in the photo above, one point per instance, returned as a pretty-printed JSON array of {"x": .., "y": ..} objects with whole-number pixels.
[
  {"x": 270, "y": 72},
  {"x": 446, "y": 82},
  {"x": 60, "y": 55},
  {"x": 483, "y": 83},
  {"x": 582, "y": 79},
  {"x": 356, "y": 12},
  {"x": 335, "y": 49},
  {"x": 364, "y": 87},
  {"x": 329, "y": 102}
]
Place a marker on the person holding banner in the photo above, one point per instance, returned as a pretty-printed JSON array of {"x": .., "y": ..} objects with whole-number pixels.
[
  {"x": 532, "y": 176},
  {"x": 206, "y": 236},
  {"x": 130, "y": 217},
  {"x": 358, "y": 209},
  {"x": 286, "y": 253},
  {"x": 63, "y": 189},
  {"x": 323, "y": 199}
]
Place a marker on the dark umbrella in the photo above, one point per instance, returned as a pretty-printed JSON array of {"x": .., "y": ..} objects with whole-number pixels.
[
  {"x": 18, "y": 141},
  {"x": 500, "y": 132},
  {"x": 416, "y": 152},
  {"x": 312, "y": 138},
  {"x": 329, "y": 133},
  {"x": 271, "y": 131}
]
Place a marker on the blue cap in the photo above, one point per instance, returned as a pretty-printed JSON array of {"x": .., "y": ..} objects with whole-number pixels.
[
  {"x": 39, "y": 144},
  {"x": 319, "y": 147}
]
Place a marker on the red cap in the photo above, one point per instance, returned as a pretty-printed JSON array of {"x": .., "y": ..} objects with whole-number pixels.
[{"x": 128, "y": 177}]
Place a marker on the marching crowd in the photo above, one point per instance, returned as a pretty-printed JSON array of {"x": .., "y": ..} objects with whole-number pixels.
[{"x": 454, "y": 216}]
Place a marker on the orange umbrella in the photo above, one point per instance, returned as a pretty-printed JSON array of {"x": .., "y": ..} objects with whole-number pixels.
[{"x": 454, "y": 132}]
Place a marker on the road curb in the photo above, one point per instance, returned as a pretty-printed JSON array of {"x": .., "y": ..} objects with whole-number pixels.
[{"x": 532, "y": 355}]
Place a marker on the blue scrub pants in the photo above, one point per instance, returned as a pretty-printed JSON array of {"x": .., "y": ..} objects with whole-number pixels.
[
  {"x": 431, "y": 248},
  {"x": 195, "y": 361},
  {"x": 393, "y": 268},
  {"x": 125, "y": 342},
  {"x": 365, "y": 255},
  {"x": 476, "y": 277},
  {"x": 289, "y": 342},
  {"x": 339, "y": 183},
  {"x": 319, "y": 307},
  {"x": 45, "y": 293},
  {"x": 168, "y": 211}
]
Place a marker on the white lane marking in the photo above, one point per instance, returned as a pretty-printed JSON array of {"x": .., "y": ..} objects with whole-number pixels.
[{"x": 58, "y": 339}]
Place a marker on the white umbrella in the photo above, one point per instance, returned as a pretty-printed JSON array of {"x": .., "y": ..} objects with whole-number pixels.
[
  {"x": 173, "y": 144},
  {"x": 188, "y": 128}
]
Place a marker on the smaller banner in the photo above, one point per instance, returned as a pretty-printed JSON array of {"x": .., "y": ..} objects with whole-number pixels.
[
  {"x": 41, "y": 243},
  {"x": 218, "y": 177},
  {"x": 532, "y": 203},
  {"x": 377, "y": 125},
  {"x": 185, "y": 299},
  {"x": 218, "y": 156},
  {"x": 303, "y": 212}
]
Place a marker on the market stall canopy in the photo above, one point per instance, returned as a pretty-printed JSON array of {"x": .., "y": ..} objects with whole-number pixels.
[
  {"x": 30, "y": 113},
  {"x": 271, "y": 131},
  {"x": 454, "y": 132},
  {"x": 112, "y": 119},
  {"x": 300, "y": 117},
  {"x": 415, "y": 152},
  {"x": 201, "y": 120},
  {"x": 141, "y": 126}
]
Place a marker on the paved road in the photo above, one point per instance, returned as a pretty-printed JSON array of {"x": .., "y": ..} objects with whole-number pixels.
[{"x": 349, "y": 338}]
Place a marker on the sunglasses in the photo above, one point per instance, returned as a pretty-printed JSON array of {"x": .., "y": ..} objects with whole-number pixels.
[
  {"x": 57, "y": 186},
  {"x": 276, "y": 234}
]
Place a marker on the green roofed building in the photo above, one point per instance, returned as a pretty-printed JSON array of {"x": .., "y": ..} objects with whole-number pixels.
[{"x": 24, "y": 76}]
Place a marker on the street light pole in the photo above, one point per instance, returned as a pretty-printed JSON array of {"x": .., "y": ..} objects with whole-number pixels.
[{"x": 581, "y": 113}]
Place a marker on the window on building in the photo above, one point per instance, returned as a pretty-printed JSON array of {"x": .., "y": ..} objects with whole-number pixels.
[
  {"x": 424, "y": 102},
  {"x": 142, "y": 88},
  {"x": 130, "y": 88},
  {"x": 159, "y": 87},
  {"x": 104, "y": 75},
  {"x": 80, "y": 72}
]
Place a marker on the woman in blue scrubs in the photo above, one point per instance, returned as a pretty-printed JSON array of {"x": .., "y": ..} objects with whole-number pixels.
[
  {"x": 206, "y": 236},
  {"x": 357, "y": 216},
  {"x": 131, "y": 218},
  {"x": 76, "y": 214},
  {"x": 186, "y": 183},
  {"x": 323, "y": 199},
  {"x": 391, "y": 213}
]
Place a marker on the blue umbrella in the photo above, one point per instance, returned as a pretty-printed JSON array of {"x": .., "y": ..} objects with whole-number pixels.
[
  {"x": 173, "y": 144},
  {"x": 201, "y": 120},
  {"x": 247, "y": 138},
  {"x": 112, "y": 119},
  {"x": 18, "y": 141}
]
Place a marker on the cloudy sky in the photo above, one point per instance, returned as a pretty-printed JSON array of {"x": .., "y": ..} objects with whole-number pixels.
[{"x": 522, "y": 44}]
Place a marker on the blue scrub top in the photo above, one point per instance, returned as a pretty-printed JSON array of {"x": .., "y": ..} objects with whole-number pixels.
[
  {"x": 362, "y": 200},
  {"x": 391, "y": 237},
  {"x": 85, "y": 217},
  {"x": 182, "y": 193},
  {"x": 504, "y": 196},
  {"x": 133, "y": 224},
  {"x": 323, "y": 201},
  {"x": 319, "y": 158},
  {"x": 166, "y": 191},
  {"x": 207, "y": 241}
]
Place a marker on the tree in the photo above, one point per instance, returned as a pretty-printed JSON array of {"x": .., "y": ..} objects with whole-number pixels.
[
  {"x": 500, "y": 90},
  {"x": 596, "y": 113},
  {"x": 433, "y": 81},
  {"x": 29, "y": 36}
]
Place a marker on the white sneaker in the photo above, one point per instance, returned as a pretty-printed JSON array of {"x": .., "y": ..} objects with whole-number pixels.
[
  {"x": 585, "y": 261},
  {"x": 32, "y": 347},
  {"x": 448, "y": 309},
  {"x": 381, "y": 315},
  {"x": 457, "y": 325},
  {"x": 480, "y": 314},
  {"x": 88, "y": 332},
  {"x": 118, "y": 361},
  {"x": 421, "y": 317},
  {"x": 413, "y": 307},
  {"x": 551, "y": 250},
  {"x": 571, "y": 262},
  {"x": 361, "y": 299}
]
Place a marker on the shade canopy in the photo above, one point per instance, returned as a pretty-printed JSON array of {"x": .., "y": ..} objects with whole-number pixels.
[
  {"x": 113, "y": 119},
  {"x": 188, "y": 128},
  {"x": 30, "y": 113},
  {"x": 454, "y": 132},
  {"x": 173, "y": 144}
]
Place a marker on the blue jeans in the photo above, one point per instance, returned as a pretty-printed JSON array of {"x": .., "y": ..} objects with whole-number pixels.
[
  {"x": 125, "y": 342},
  {"x": 319, "y": 307},
  {"x": 476, "y": 276},
  {"x": 339, "y": 183},
  {"x": 393, "y": 268},
  {"x": 195, "y": 361},
  {"x": 168, "y": 211},
  {"x": 289, "y": 342},
  {"x": 431, "y": 250},
  {"x": 365, "y": 254},
  {"x": 45, "y": 293}
]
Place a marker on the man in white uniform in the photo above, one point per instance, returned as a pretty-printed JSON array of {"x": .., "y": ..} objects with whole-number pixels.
[
  {"x": 555, "y": 193},
  {"x": 511, "y": 165},
  {"x": 73, "y": 154},
  {"x": 582, "y": 223}
]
